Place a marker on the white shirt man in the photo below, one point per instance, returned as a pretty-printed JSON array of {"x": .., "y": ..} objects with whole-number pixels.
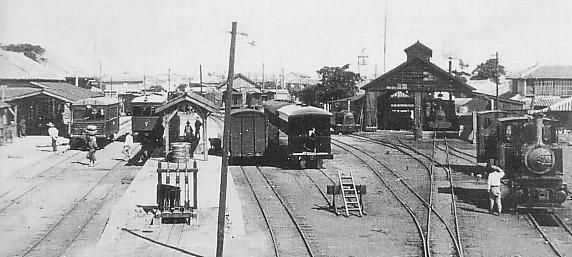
[
  {"x": 127, "y": 146},
  {"x": 494, "y": 183},
  {"x": 53, "y": 132}
]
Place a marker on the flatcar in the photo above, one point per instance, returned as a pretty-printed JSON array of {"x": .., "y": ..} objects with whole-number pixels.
[
  {"x": 307, "y": 130},
  {"x": 146, "y": 125},
  {"x": 525, "y": 146},
  {"x": 344, "y": 122},
  {"x": 101, "y": 112},
  {"x": 248, "y": 135}
]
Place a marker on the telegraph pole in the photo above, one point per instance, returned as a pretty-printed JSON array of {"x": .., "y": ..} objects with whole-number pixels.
[
  {"x": 225, "y": 143},
  {"x": 497, "y": 80},
  {"x": 200, "y": 77}
]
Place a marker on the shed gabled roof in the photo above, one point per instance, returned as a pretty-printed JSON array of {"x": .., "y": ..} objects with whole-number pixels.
[
  {"x": 239, "y": 75},
  {"x": 207, "y": 105},
  {"x": 432, "y": 67},
  {"x": 562, "y": 106},
  {"x": 64, "y": 91}
]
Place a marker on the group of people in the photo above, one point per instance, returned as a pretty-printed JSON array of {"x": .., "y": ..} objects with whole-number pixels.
[{"x": 189, "y": 135}]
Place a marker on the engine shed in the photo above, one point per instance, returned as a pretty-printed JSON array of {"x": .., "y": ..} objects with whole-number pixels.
[{"x": 404, "y": 98}]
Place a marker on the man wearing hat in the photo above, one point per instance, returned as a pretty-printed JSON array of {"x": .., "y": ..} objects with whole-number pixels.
[
  {"x": 494, "y": 183},
  {"x": 188, "y": 132},
  {"x": 53, "y": 133}
]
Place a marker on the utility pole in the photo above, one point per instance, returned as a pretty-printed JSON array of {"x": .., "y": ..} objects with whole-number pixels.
[
  {"x": 497, "y": 80},
  {"x": 169, "y": 85},
  {"x": 262, "y": 76},
  {"x": 225, "y": 143},
  {"x": 200, "y": 78},
  {"x": 384, "y": 35}
]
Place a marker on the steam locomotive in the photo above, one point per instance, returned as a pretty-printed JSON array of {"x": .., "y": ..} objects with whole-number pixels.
[{"x": 525, "y": 146}]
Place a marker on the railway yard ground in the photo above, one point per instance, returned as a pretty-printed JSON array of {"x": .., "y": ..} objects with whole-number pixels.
[{"x": 55, "y": 205}]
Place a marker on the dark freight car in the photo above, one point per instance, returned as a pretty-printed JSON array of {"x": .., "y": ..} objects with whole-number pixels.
[{"x": 248, "y": 134}]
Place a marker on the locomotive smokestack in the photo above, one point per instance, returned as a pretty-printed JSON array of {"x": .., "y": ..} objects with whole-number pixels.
[{"x": 539, "y": 127}]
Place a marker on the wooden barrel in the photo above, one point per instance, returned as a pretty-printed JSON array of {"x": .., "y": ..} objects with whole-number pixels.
[{"x": 180, "y": 151}]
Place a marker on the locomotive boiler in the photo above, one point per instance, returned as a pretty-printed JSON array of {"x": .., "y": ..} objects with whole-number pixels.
[{"x": 526, "y": 148}]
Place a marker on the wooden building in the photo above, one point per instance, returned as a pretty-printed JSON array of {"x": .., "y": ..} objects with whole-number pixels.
[
  {"x": 245, "y": 92},
  {"x": 401, "y": 95}
]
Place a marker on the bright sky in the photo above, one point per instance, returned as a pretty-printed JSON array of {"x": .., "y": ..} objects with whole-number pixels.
[{"x": 298, "y": 35}]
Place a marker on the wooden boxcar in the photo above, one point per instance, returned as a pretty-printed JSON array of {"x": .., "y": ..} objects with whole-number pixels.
[
  {"x": 248, "y": 134},
  {"x": 307, "y": 129},
  {"x": 101, "y": 112}
]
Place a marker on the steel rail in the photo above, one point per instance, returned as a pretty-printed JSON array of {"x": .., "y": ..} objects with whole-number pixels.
[
  {"x": 453, "y": 202},
  {"x": 306, "y": 241},
  {"x": 274, "y": 242},
  {"x": 394, "y": 146},
  {"x": 399, "y": 199},
  {"x": 546, "y": 238}
]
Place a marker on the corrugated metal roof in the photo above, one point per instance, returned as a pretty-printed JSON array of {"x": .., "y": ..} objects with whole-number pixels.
[
  {"x": 19, "y": 67},
  {"x": 545, "y": 72},
  {"x": 13, "y": 93},
  {"x": 65, "y": 91}
]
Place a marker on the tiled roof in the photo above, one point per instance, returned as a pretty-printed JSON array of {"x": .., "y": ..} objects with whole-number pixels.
[
  {"x": 65, "y": 91},
  {"x": 544, "y": 101},
  {"x": 562, "y": 106},
  {"x": 19, "y": 67},
  {"x": 545, "y": 72}
]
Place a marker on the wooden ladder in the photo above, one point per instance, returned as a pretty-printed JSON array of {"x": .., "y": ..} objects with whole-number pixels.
[{"x": 350, "y": 194}]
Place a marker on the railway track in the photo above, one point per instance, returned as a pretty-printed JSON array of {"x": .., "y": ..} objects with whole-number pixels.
[
  {"x": 554, "y": 231},
  {"x": 408, "y": 197},
  {"x": 61, "y": 235},
  {"x": 289, "y": 235}
]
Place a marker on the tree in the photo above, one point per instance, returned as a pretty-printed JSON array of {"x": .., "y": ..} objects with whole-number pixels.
[
  {"x": 488, "y": 70},
  {"x": 335, "y": 83},
  {"x": 33, "y": 52},
  {"x": 460, "y": 72}
]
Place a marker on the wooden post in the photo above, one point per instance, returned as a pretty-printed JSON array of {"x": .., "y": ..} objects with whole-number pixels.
[
  {"x": 418, "y": 113},
  {"x": 205, "y": 149},
  {"x": 166, "y": 135},
  {"x": 226, "y": 137},
  {"x": 195, "y": 183}
]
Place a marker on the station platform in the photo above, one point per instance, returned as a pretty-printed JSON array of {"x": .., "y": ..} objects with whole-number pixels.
[{"x": 133, "y": 229}]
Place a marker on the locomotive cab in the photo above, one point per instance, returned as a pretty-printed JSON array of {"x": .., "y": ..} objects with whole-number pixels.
[{"x": 532, "y": 160}]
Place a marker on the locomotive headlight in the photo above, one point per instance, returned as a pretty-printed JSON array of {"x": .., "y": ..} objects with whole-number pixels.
[{"x": 560, "y": 196}]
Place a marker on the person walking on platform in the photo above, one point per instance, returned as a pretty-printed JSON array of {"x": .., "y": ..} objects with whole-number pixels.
[
  {"x": 188, "y": 132},
  {"x": 127, "y": 145},
  {"x": 92, "y": 144},
  {"x": 198, "y": 125},
  {"x": 22, "y": 128},
  {"x": 53, "y": 133},
  {"x": 494, "y": 183}
]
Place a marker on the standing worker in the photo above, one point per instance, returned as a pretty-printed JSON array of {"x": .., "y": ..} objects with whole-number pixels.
[
  {"x": 188, "y": 132},
  {"x": 198, "y": 125},
  {"x": 127, "y": 146},
  {"x": 494, "y": 183},
  {"x": 53, "y": 133}
]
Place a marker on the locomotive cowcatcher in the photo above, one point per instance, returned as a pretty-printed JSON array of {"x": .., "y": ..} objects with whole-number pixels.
[{"x": 526, "y": 148}]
